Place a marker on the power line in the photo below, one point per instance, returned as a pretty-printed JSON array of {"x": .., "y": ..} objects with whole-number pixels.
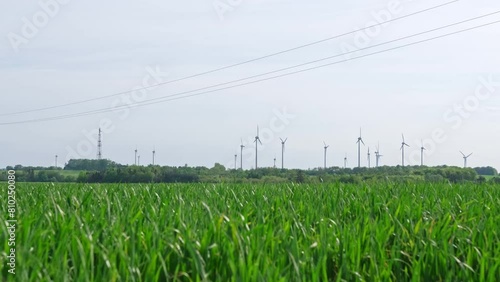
[
  {"x": 164, "y": 99},
  {"x": 233, "y": 65}
]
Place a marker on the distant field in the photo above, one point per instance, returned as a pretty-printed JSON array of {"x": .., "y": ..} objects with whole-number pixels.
[
  {"x": 488, "y": 177},
  {"x": 423, "y": 232}
]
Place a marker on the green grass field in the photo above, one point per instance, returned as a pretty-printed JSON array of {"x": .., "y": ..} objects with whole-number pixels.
[
  {"x": 488, "y": 177},
  {"x": 382, "y": 232}
]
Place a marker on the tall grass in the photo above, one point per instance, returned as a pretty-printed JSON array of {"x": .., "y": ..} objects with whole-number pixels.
[{"x": 233, "y": 232}]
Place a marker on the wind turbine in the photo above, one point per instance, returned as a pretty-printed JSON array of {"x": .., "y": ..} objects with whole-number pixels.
[
  {"x": 465, "y": 158},
  {"x": 99, "y": 145},
  {"x": 369, "y": 158},
  {"x": 56, "y": 160},
  {"x": 257, "y": 141},
  {"x": 154, "y": 153},
  {"x": 241, "y": 154},
  {"x": 360, "y": 140},
  {"x": 235, "y": 161},
  {"x": 283, "y": 152},
  {"x": 135, "y": 160},
  {"x": 403, "y": 144},
  {"x": 326, "y": 148},
  {"x": 274, "y": 166},
  {"x": 345, "y": 161},
  {"x": 422, "y": 149},
  {"x": 377, "y": 155}
]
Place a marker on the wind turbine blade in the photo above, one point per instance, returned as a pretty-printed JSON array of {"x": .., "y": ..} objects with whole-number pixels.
[
  {"x": 402, "y": 135},
  {"x": 286, "y": 139},
  {"x": 469, "y": 155},
  {"x": 259, "y": 141},
  {"x": 462, "y": 153},
  {"x": 281, "y": 140},
  {"x": 362, "y": 142}
]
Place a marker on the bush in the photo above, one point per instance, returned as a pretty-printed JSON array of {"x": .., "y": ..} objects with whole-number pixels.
[
  {"x": 435, "y": 178},
  {"x": 495, "y": 180}
]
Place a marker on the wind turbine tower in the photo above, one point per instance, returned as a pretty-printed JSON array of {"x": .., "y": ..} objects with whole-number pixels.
[
  {"x": 241, "y": 154},
  {"x": 56, "y": 161},
  {"x": 369, "y": 158},
  {"x": 135, "y": 159},
  {"x": 377, "y": 156},
  {"x": 257, "y": 141},
  {"x": 422, "y": 149},
  {"x": 99, "y": 145},
  {"x": 283, "y": 152},
  {"x": 274, "y": 162},
  {"x": 138, "y": 160},
  {"x": 403, "y": 144},
  {"x": 345, "y": 161},
  {"x": 360, "y": 140},
  {"x": 154, "y": 153},
  {"x": 465, "y": 158},
  {"x": 235, "y": 161},
  {"x": 326, "y": 148}
]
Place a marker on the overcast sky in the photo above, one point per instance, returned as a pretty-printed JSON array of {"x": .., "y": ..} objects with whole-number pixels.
[{"x": 61, "y": 52}]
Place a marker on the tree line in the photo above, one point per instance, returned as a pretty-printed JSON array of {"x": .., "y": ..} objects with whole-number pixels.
[{"x": 106, "y": 171}]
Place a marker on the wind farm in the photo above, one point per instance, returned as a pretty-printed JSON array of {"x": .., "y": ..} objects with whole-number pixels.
[
  {"x": 240, "y": 158},
  {"x": 343, "y": 163}
]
